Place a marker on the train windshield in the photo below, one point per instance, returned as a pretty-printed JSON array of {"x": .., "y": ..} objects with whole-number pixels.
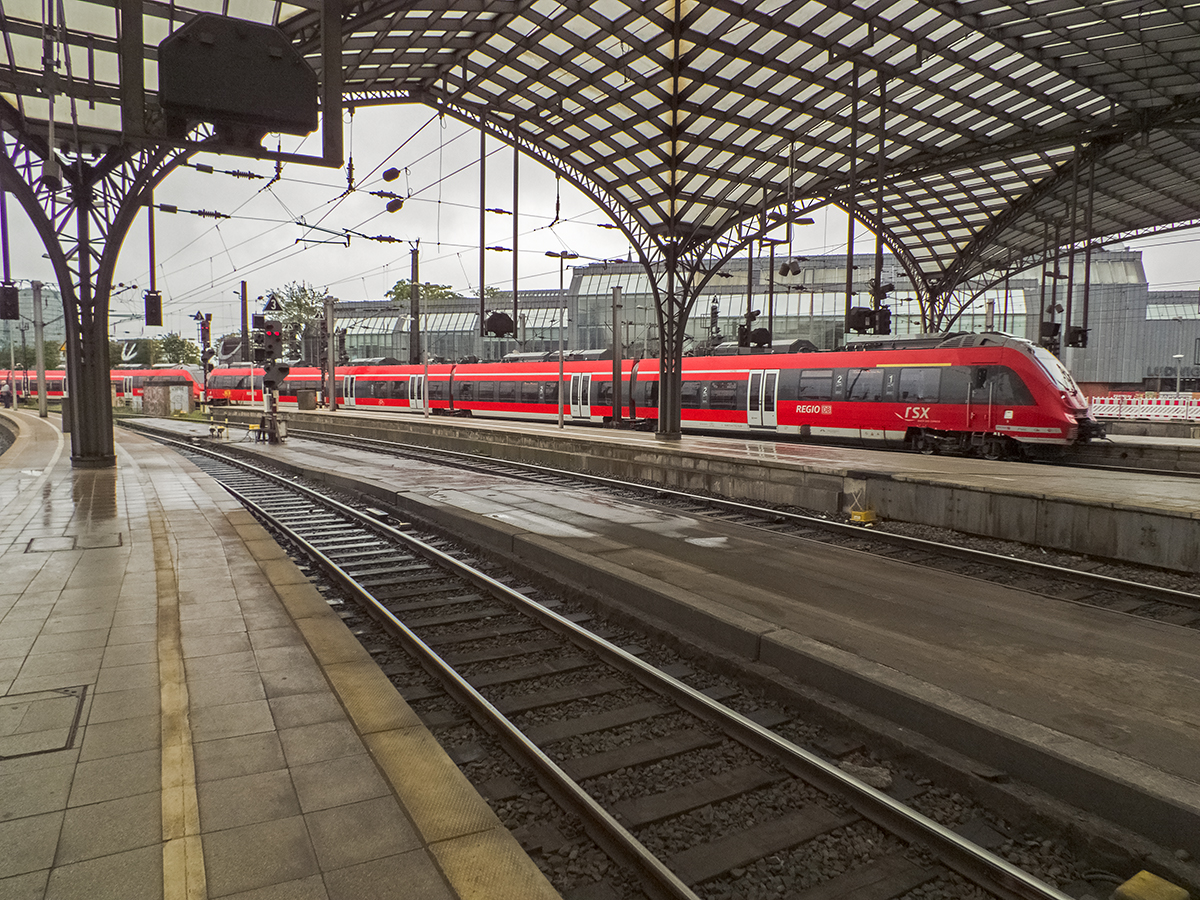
[{"x": 1057, "y": 371}]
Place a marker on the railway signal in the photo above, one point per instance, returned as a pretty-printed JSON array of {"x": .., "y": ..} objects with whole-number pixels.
[
  {"x": 272, "y": 339},
  {"x": 860, "y": 319},
  {"x": 10, "y": 301},
  {"x": 883, "y": 320}
]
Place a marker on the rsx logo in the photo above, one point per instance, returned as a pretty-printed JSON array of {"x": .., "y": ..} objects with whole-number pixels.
[{"x": 916, "y": 412}]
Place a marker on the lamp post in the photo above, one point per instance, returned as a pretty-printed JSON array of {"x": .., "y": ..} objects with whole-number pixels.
[
  {"x": 1178, "y": 357},
  {"x": 561, "y": 255}
]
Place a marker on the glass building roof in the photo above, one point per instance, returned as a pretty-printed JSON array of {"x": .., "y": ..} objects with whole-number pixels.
[{"x": 973, "y": 134}]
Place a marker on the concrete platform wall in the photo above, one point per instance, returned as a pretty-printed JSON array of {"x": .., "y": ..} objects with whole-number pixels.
[{"x": 1144, "y": 536}]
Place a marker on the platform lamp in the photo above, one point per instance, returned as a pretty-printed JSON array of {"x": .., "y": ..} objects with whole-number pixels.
[
  {"x": 561, "y": 255},
  {"x": 1178, "y": 357}
]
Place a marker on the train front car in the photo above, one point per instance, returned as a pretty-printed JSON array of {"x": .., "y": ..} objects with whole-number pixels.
[{"x": 1009, "y": 397}]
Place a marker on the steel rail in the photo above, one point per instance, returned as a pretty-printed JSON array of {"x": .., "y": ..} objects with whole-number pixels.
[
  {"x": 1033, "y": 567},
  {"x": 975, "y": 863}
]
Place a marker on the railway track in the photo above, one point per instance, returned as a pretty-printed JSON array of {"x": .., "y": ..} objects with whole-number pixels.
[
  {"x": 1090, "y": 582},
  {"x": 675, "y": 785}
]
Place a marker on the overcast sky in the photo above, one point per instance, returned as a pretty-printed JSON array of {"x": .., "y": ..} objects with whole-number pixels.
[{"x": 201, "y": 261}]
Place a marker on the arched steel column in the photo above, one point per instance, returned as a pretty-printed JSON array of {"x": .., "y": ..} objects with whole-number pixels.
[{"x": 82, "y": 226}]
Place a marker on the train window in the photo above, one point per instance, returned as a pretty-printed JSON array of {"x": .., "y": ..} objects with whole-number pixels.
[
  {"x": 529, "y": 391},
  {"x": 464, "y": 390},
  {"x": 839, "y": 384},
  {"x": 603, "y": 391},
  {"x": 437, "y": 389},
  {"x": 690, "y": 398},
  {"x": 363, "y": 390},
  {"x": 919, "y": 385},
  {"x": 550, "y": 392},
  {"x": 723, "y": 395},
  {"x": 508, "y": 391},
  {"x": 815, "y": 385},
  {"x": 955, "y": 384},
  {"x": 1001, "y": 386},
  {"x": 865, "y": 385},
  {"x": 486, "y": 391}
]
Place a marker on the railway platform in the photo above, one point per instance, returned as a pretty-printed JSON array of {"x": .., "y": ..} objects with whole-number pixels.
[
  {"x": 1091, "y": 705},
  {"x": 183, "y": 716},
  {"x": 1121, "y": 515}
]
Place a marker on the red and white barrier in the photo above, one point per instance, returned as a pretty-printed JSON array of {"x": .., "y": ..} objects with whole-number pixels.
[{"x": 1145, "y": 407}]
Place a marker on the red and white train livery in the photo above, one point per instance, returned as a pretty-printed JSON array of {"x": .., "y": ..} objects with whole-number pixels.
[{"x": 991, "y": 394}]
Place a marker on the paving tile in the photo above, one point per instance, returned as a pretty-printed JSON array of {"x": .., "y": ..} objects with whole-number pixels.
[
  {"x": 132, "y": 875},
  {"x": 17, "y": 628},
  {"x": 306, "y": 709},
  {"x": 310, "y": 888},
  {"x": 72, "y": 640},
  {"x": 76, "y": 660},
  {"x": 217, "y": 609},
  {"x": 123, "y": 678},
  {"x": 27, "y": 845},
  {"x": 100, "y": 829},
  {"x": 196, "y": 628},
  {"x": 282, "y": 636},
  {"x": 27, "y": 791},
  {"x": 199, "y": 666},
  {"x": 215, "y": 722},
  {"x": 214, "y": 644},
  {"x": 65, "y": 624},
  {"x": 125, "y": 618},
  {"x": 25, "y": 887},
  {"x": 246, "y": 799},
  {"x": 358, "y": 832},
  {"x": 242, "y": 755},
  {"x": 259, "y": 855},
  {"x": 124, "y": 704},
  {"x": 121, "y": 737},
  {"x": 283, "y": 683},
  {"x": 115, "y": 777},
  {"x": 220, "y": 690},
  {"x": 294, "y": 658},
  {"x": 316, "y": 743},
  {"x": 347, "y": 779},
  {"x": 377, "y": 879},
  {"x": 131, "y": 654},
  {"x": 16, "y": 647},
  {"x": 132, "y": 634}
]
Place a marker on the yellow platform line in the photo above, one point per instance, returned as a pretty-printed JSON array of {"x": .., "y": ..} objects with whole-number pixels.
[{"x": 183, "y": 852}]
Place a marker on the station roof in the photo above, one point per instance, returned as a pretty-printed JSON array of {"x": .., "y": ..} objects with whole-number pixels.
[{"x": 700, "y": 122}]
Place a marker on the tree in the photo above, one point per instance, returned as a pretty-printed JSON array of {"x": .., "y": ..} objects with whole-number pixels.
[
  {"x": 299, "y": 303},
  {"x": 401, "y": 292},
  {"x": 25, "y": 357},
  {"x": 177, "y": 349}
]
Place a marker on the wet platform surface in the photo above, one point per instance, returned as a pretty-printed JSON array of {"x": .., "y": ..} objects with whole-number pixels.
[
  {"x": 182, "y": 715},
  {"x": 1113, "y": 697}
]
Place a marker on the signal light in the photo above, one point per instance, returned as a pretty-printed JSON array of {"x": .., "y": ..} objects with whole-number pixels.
[
  {"x": 272, "y": 339},
  {"x": 499, "y": 324},
  {"x": 10, "y": 301},
  {"x": 860, "y": 319},
  {"x": 206, "y": 330},
  {"x": 153, "y": 308},
  {"x": 883, "y": 320}
]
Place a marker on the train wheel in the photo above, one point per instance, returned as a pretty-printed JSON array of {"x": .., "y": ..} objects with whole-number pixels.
[
  {"x": 925, "y": 444},
  {"x": 994, "y": 448}
]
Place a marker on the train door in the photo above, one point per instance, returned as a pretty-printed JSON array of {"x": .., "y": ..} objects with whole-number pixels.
[
  {"x": 416, "y": 391},
  {"x": 127, "y": 388},
  {"x": 347, "y": 390},
  {"x": 581, "y": 387},
  {"x": 761, "y": 395}
]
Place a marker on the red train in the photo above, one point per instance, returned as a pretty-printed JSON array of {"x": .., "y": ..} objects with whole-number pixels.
[
  {"x": 128, "y": 382},
  {"x": 990, "y": 394}
]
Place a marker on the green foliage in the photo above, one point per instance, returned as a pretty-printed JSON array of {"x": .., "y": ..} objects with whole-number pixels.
[
  {"x": 401, "y": 292},
  {"x": 26, "y": 357},
  {"x": 174, "y": 348},
  {"x": 299, "y": 303},
  {"x": 491, "y": 292}
]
